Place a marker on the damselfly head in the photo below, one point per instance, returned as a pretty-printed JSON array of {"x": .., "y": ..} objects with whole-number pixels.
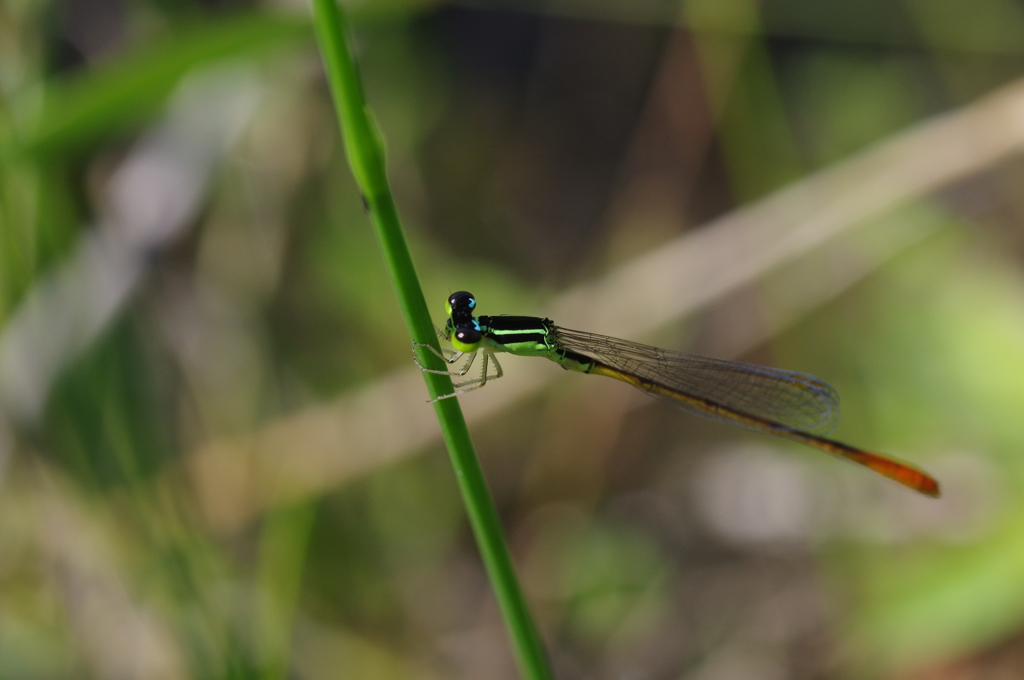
[
  {"x": 460, "y": 306},
  {"x": 466, "y": 338}
]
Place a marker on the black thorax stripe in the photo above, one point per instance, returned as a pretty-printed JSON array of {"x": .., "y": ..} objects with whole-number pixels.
[{"x": 512, "y": 329}]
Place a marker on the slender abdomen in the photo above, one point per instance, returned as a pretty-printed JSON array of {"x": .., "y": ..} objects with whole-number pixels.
[{"x": 901, "y": 472}]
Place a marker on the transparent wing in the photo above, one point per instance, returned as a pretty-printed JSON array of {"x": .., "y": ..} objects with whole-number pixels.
[{"x": 797, "y": 400}]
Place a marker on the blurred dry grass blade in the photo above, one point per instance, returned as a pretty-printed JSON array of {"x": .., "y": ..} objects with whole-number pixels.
[
  {"x": 319, "y": 448},
  {"x": 152, "y": 198},
  {"x": 691, "y": 271},
  {"x": 121, "y": 636}
]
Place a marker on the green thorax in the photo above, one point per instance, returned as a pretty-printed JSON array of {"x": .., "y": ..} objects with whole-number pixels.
[
  {"x": 527, "y": 336},
  {"x": 530, "y": 336}
]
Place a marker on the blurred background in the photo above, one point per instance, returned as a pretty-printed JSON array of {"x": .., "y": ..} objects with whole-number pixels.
[{"x": 215, "y": 456}]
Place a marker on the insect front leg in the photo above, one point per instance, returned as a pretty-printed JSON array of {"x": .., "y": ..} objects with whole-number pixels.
[
  {"x": 451, "y": 357},
  {"x": 482, "y": 380},
  {"x": 476, "y": 383}
]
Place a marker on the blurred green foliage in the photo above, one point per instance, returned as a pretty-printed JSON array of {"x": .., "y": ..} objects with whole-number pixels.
[{"x": 531, "y": 147}]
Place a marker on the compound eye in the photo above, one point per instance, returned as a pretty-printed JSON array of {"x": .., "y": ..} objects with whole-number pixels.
[
  {"x": 467, "y": 339},
  {"x": 460, "y": 301}
]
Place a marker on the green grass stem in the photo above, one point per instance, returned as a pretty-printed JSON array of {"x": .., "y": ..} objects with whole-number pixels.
[{"x": 365, "y": 151}]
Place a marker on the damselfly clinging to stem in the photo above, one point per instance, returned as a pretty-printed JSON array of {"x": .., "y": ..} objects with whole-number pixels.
[{"x": 782, "y": 403}]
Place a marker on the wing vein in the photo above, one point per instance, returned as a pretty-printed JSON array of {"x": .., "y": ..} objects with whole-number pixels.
[{"x": 796, "y": 400}]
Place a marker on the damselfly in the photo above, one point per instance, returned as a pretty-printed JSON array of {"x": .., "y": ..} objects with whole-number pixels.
[{"x": 770, "y": 400}]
